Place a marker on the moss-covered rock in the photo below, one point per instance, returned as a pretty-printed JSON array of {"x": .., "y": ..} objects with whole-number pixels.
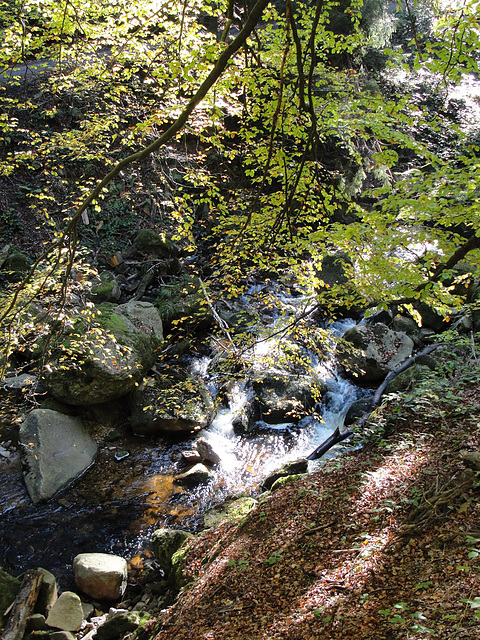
[
  {"x": 165, "y": 543},
  {"x": 409, "y": 378},
  {"x": 229, "y": 511},
  {"x": 100, "y": 362},
  {"x": 186, "y": 302},
  {"x": 150, "y": 242},
  {"x": 171, "y": 405},
  {"x": 281, "y": 482},
  {"x": 121, "y": 623}
]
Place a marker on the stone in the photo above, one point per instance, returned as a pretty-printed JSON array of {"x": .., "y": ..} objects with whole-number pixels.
[
  {"x": 376, "y": 351},
  {"x": 9, "y": 587},
  {"x": 206, "y": 451},
  {"x": 37, "y": 622},
  {"x": 357, "y": 410},
  {"x": 229, "y": 511},
  {"x": 471, "y": 458},
  {"x": 165, "y": 543},
  {"x": 285, "y": 397},
  {"x": 191, "y": 456},
  {"x": 290, "y": 468},
  {"x": 144, "y": 316},
  {"x": 121, "y": 623},
  {"x": 108, "y": 290},
  {"x": 48, "y": 593},
  {"x": 281, "y": 482},
  {"x": 408, "y": 379},
  {"x": 104, "y": 364},
  {"x": 16, "y": 265},
  {"x": 62, "y": 635},
  {"x": 171, "y": 406},
  {"x": 335, "y": 269},
  {"x": 66, "y": 613},
  {"x": 101, "y": 576},
  {"x": 150, "y": 242},
  {"x": 199, "y": 474},
  {"x": 55, "y": 449},
  {"x": 18, "y": 383}
]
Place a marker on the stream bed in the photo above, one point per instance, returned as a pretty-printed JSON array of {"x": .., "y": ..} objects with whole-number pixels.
[{"x": 129, "y": 491}]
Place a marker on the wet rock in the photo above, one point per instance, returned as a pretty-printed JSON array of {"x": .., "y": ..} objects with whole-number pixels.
[
  {"x": 121, "y": 623},
  {"x": 9, "y": 587},
  {"x": 171, "y": 406},
  {"x": 291, "y": 468},
  {"x": 191, "y": 456},
  {"x": 103, "y": 364},
  {"x": 165, "y": 543},
  {"x": 376, "y": 351},
  {"x": 66, "y": 613},
  {"x": 206, "y": 451},
  {"x": 55, "y": 449},
  {"x": 199, "y": 474},
  {"x": 356, "y": 410},
  {"x": 285, "y": 397},
  {"x": 100, "y": 575}
]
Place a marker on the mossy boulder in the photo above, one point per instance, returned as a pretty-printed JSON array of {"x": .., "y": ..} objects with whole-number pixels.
[
  {"x": 16, "y": 265},
  {"x": 184, "y": 301},
  {"x": 229, "y": 511},
  {"x": 171, "y": 405},
  {"x": 165, "y": 543},
  {"x": 409, "y": 378},
  {"x": 149, "y": 242},
  {"x": 281, "y": 482},
  {"x": 121, "y": 623},
  {"x": 102, "y": 361},
  {"x": 295, "y": 467}
]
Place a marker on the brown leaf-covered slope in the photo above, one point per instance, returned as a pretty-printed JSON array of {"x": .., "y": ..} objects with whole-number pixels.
[{"x": 378, "y": 545}]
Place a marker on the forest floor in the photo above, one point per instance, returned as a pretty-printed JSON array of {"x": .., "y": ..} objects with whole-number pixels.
[{"x": 380, "y": 544}]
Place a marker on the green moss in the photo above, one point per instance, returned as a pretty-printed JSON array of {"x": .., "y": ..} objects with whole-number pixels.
[
  {"x": 281, "y": 482},
  {"x": 9, "y": 587}
]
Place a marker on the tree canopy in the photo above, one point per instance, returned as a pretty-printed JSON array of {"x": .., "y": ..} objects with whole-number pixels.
[{"x": 307, "y": 128}]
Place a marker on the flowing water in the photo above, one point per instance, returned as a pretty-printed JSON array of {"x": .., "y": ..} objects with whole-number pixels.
[{"x": 119, "y": 501}]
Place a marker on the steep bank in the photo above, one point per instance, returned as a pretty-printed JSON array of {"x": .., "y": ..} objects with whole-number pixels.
[{"x": 380, "y": 544}]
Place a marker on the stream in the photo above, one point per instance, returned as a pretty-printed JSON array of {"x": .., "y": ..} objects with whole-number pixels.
[{"x": 121, "y": 499}]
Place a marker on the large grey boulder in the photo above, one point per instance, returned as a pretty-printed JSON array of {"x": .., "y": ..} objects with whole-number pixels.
[
  {"x": 171, "y": 406},
  {"x": 106, "y": 361},
  {"x": 55, "y": 449},
  {"x": 375, "y": 351},
  {"x": 66, "y": 613},
  {"x": 100, "y": 575}
]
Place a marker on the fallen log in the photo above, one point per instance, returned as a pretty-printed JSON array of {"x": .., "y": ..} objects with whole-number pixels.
[
  {"x": 338, "y": 435},
  {"x": 23, "y": 605}
]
